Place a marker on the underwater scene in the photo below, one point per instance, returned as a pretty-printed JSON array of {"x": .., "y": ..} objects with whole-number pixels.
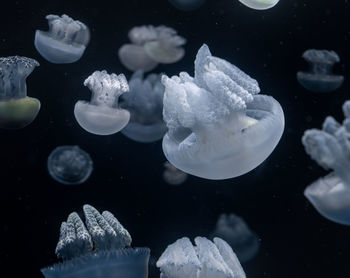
[{"x": 175, "y": 139}]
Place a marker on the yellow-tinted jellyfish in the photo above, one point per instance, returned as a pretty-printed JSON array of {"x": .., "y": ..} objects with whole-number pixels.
[
  {"x": 259, "y": 4},
  {"x": 17, "y": 110}
]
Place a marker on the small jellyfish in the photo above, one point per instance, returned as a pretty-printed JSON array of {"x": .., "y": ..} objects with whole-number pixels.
[
  {"x": 145, "y": 104},
  {"x": 65, "y": 42},
  {"x": 172, "y": 175},
  {"x": 330, "y": 148},
  {"x": 101, "y": 249},
  {"x": 235, "y": 231},
  {"x": 259, "y": 4},
  {"x": 17, "y": 110},
  {"x": 218, "y": 125},
  {"x": 101, "y": 115},
  {"x": 205, "y": 260},
  {"x": 320, "y": 78},
  {"x": 69, "y": 165},
  {"x": 187, "y": 5}
]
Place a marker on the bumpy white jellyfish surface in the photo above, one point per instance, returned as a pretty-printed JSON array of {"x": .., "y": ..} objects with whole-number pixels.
[
  {"x": 187, "y": 5},
  {"x": 235, "y": 231},
  {"x": 101, "y": 115},
  {"x": 330, "y": 148},
  {"x": 172, "y": 175},
  {"x": 17, "y": 110},
  {"x": 100, "y": 248},
  {"x": 259, "y": 4},
  {"x": 205, "y": 260},
  {"x": 65, "y": 42},
  {"x": 320, "y": 77},
  {"x": 145, "y": 104},
  {"x": 218, "y": 125}
]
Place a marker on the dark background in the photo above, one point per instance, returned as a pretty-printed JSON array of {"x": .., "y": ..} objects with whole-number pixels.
[{"x": 127, "y": 180}]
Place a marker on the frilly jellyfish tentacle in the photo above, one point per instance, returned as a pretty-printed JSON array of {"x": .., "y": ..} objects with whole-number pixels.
[{"x": 259, "y": 4}]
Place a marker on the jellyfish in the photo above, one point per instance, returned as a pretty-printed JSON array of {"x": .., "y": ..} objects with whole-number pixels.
[
  {"x": 320, "y": 77},
  {"x": 98, "y": 249},
  {"x": 65, "y": 42},
  {"x": 17, "y": 110},
  {"x": 235, "y": 231},
  {"x": 145, "y": 104},
  {"x": 187, "y": 5},
  {"x": 330, "y": 148},
  {"x": 207, "y": 259},
  {"x": 101, "y": 115},
  {"x": 259, "y": 4},
  {"x": 218, "y": 125},
  {"x": 172, "y": 175},
  {"x": 69, "y": 165}
]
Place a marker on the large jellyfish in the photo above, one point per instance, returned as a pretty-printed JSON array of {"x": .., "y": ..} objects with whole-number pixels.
[
  {"x": 65, "y": 42},
  {"x": 145, "y": 104},
  {"x": 320, "y": 77},
  {"x": 187, "y": 5},
  {"x": 259, "y": 4},
  {"x": 151, "y": 45},
  {"x": 172, "y": 175},
  {"x": 218, "y": 125},
  {"x": 102, "y": 116},
  {"x": 69, "y": 165},
  {"x": 205, "y": 260},
  {"x": 101, "y": 249},
  {"x": 235, "y": 231},
  {"x": 17, "y": 110},
  {"x": 330, "y": 148}
]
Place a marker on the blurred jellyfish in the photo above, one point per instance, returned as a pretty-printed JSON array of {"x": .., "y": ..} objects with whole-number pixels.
[
  {"x": 98, "y": 250},
  {"x": 259, "y": 4},
  {"x": 235, "y": 231},
  {"x": 145, "y": 104},
  {"x": 205, "y": 260},
  {"x": 320, "y": 77},
  {"x": 69, "y": 165},
  {"x": 172, "y": 175},
  {"x": 219, "y": 127},
  {"x": 151, "y": 45},
  {"x": 65, "y": 42},
  {"x": 101, "y": 115},
  {"x": 187, "y": 5},
  {"x": 330, "y": 148},
  {"x": 17, "y": 110}
]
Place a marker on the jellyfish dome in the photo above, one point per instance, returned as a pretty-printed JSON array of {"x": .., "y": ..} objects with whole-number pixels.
[
  {"x": 65, "y": 42},
  {"x": 187, "y": 5},
  {"x": 145, "y": 104},
  {"x": 259, "y": 4},
  {"x": 101, "y": 249},
  {"x": 17, "y": 110},
  {"x": 330, "y": 148},
  {"x": 320, "y": 77},
  {"x": 205, "y": 260},
  {"x": 218, "y": 125},
  {"x": 101, "y": 115},
  {"x": 172, "y": 175}
]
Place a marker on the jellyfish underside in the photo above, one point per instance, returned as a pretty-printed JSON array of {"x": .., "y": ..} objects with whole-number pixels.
[
  {"x": 259, "y": 4},
  {"x": 163, "y": 53},
  {"x": 172, "y": 175},
  {"x": 144, "y": 133},
  {"x": 187, "y": 5}
]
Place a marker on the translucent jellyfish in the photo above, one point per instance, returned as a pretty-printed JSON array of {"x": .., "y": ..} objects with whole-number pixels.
[
  {"x": 65, "y": 42},
  {"x": 259, "y": 4},
  {"x": 235, "y": 231},
  {"x": 330, "y": 148},
  {"x": 320, "y": 77},
  {"x": 218, "y": 125},
  {"x": 145, "y": 104},
  {"x": 205, "y": 260},
  {"x": 69, "y": 165},
  {"x": 101, "y": 115},
  {"x": 187, "y": 5},
  {"x": 101, "y": 249},
  {"x": 172, "y": 175},
  {"x": 17, "y": 110}
]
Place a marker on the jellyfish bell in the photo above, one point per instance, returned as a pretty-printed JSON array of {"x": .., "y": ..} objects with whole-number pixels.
[
  {"x": 187, "y": 5},
  {"x": 172, "y": 175},
  {"x": 259, "y": 4},
  {"x": 134, "y": 58}
]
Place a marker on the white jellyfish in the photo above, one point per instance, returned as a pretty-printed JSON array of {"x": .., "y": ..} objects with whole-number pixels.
[
  {"x": 65, "y": 42},
  {"x": 330, "y": 148},
  {"x": 187, "y": 5},
  {"x": 172, "y": 175},
  {"x": 145, "y": 104},
  {"x": 259, "y": 4},
  {"x": 101, "y": 115},
  {"x": 205, "y": 260},
  {"x": 218, "y": 125}
]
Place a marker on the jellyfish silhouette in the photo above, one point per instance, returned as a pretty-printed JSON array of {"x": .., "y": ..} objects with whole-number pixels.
[
  {"x": 330, "y": 148},
  {"x": 65, "y": 42},
  {"x": 235, "y": 231},
  {"x": 145, "y": 104},
  {"x": 172, "y": 175},
  {"x": 218, "y": 125},
  {"x": 69, "y": 165},
  {"x": 320, "y": 77},
  {"x": 206, "y": 259},
  {"x": 259, "y": 4},
  {"x": 102, "y": 116},
  {"x": 17, "y": 110},
  {"x": 187, "y": 5},
  {"x": 98, "y": 250}
]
